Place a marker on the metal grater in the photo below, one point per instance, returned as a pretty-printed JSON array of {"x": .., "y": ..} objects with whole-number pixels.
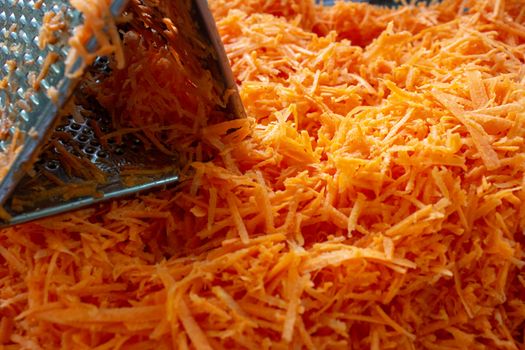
[{"x": 22, "y": 186}]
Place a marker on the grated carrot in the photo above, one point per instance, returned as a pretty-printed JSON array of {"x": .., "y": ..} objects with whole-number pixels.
[
  {"x": 193, "y": 330},
  {"x": 52, "y": 23},
  {"x": 373, "y": 198},
  {"x": 50, "y": 59}
]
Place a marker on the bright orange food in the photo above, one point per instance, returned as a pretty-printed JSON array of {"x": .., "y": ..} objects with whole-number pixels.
[{"x": 373, "y": 199}]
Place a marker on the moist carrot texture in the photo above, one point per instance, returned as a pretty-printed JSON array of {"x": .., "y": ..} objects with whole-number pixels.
[{"x": 373, "y": 199}]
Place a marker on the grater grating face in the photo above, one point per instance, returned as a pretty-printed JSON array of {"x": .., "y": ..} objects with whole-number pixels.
[
  {"x": 30, "y": 99},
  {"x": 109, "y": 166},
  {"x": 20, "y": 23},
  {"x": 84, "y": 159},
  {"x": 24, "y": 108}
]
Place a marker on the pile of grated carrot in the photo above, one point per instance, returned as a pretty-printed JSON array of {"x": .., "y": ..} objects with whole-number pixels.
[{"x": 373, "y": 199}]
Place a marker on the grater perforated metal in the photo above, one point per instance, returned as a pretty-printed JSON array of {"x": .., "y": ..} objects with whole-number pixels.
[{"x": 47, "y": 133}]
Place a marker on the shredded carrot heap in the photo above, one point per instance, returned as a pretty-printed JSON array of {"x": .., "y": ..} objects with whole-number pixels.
[{"x": 373, "y": 199}]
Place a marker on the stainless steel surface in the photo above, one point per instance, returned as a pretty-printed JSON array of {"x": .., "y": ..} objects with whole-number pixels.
[
  {"x": 116, "y": 166},
  {"x": 20, "y": 22},
  {"x": 65, "y": 206},
  {"x": 32, "y": 111},
  {"x": 108, "y": 157},
  {"x": 210, "y": 29}
]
